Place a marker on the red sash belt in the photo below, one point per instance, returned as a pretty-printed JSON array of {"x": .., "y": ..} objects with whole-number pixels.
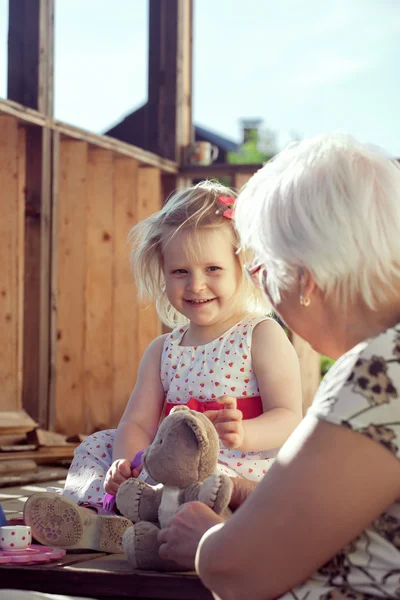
[{"x": 250, "y": 407}]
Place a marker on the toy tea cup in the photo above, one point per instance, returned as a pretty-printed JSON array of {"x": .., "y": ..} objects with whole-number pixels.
[{"x": 15, "y": 537}]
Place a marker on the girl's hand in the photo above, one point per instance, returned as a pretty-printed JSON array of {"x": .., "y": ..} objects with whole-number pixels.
[
  {"x": 119, "y": 472},
  {"x": 228, "y": 422}
]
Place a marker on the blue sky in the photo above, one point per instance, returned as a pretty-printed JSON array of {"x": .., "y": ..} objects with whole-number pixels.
[{"x": 304, "y": 67}]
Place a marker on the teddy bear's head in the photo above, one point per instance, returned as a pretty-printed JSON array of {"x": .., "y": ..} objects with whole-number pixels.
[{"x": 185, "y": 449}]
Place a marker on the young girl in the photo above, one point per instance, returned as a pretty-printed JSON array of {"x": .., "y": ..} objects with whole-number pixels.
[{"x": 223, "y": 353}]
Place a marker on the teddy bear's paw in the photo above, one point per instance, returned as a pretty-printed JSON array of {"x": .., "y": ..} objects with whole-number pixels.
[
  {"x": 216, "y": 492},
  {"x": 128, "y": 544},
  {"x": 209, "y": 489},
  {"x": 128, "y": 498},
  {"x": 141, "y": 547}
]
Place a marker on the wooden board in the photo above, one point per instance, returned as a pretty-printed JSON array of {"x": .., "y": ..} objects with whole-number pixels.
[
  {"x": 13, "y": 422},
  {"x": 21, "y": 248},
  {"x": 32, "y": 251},
  {"x": 148, "y": 202},
  {"x": 98, "y": 347},
  {"x": 240, "y": 179},
  {"x": 42, "y": 455},
  {"x": 42, "y": 437},
  {"x": 42, "y": 474},
  {"x": 218, "y": 170},
  {"x": 37, "y": 274},
  {"x": 125, "y": 357},
  {"x": 17, "y": 466},
  {"x": 11, "y": 244},
  {"x": 28, "y": 116},
  {"x": 53, "y": 321},
  {"x": 71, "y": 285},
  {"x": 102, "y": 577}
]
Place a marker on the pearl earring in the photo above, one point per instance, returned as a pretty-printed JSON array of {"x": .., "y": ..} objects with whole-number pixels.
[{"x": 305, "y": 301}]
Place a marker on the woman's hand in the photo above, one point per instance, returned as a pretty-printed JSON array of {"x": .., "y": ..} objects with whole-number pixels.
[
  {"x": 228, "y": 422},
  {"x": 119, "y": 472},
  {"x": 180, "y": 539}
]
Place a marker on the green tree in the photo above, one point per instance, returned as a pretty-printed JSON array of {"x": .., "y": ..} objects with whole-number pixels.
[{"x": 258, "y": 147}]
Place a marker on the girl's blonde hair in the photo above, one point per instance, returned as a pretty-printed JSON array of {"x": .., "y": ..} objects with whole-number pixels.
[{"x": 191, "y": 209}]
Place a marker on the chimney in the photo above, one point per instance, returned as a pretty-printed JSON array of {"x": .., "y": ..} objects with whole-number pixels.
[{"x": 250, "y": 128}]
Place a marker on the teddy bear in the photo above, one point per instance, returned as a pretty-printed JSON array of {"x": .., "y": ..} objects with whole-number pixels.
[{"x": 183, "y": 458}]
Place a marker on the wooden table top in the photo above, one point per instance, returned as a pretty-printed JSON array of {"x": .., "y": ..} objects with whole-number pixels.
[
  {"x": 91, "y": 574},
  {"x": 102, "y": 576}
]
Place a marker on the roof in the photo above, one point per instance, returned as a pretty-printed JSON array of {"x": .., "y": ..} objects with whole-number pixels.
[
  {"x": 220, "y": 141},
  {"x": 131, "y": 129}
]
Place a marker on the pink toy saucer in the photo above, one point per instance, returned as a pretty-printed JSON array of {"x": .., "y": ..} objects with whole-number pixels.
[{"x": 32, "y": 555}]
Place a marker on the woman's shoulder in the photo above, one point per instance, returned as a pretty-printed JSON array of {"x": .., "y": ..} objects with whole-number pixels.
[{"x": 362, "y": 390}]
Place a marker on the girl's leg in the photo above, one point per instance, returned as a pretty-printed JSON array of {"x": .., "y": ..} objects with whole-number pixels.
[
  {"x": 85, "y": 480},
  {"x": 63, "y": 520},
  {"x": 253, "y": 470}
]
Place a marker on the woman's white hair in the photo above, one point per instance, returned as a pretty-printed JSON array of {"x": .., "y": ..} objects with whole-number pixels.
[{"x": 331, "y": 205}]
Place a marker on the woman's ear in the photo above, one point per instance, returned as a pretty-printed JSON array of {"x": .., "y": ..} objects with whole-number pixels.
[{"x": 307, "y": 285}]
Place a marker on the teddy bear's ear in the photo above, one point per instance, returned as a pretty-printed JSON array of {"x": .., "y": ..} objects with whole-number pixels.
[
  {"x": 194, "y": 421},
  {"x": 178, "y": 408}
]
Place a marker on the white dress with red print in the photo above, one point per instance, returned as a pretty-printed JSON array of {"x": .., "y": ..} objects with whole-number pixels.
[
  {"x": 197, "y": 375},
  {"x": 190, "y": 375}
]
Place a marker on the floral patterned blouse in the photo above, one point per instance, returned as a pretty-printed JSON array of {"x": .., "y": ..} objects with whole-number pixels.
[{"x": 362, "y": 391}]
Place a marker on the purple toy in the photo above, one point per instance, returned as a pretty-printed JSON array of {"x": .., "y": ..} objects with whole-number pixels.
[{"x": 109, "y": 499}]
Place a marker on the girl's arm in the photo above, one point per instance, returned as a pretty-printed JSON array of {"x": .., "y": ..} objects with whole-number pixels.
[
  {"x": 326, "y": 486},
  {"x": 139, "y": 422},
  {"x": 277, "y": 371}
]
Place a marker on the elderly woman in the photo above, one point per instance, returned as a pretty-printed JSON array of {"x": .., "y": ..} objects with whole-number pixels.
[{"x": 324, "y": 221}]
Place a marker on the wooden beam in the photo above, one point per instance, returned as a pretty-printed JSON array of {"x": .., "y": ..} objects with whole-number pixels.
[
  {"x": 169, "y": 108},
  {"x": 125, "y": 302},
  {"x": 12, "y": 177},
  {"x": 37, "y": 274},
  {"x": 98, "y": 285},
  {"x": 30, "y": 53},
  {"x": 22, "y": 113},
  {"x": 32, "y": 117},
  {"x": 55, "y": 184},
  {"x": 219, "y": 170},
  {"x": 240, "y": 179},
  {"x": 70, "y": 299},
  {"x": 102, "y": 141}
]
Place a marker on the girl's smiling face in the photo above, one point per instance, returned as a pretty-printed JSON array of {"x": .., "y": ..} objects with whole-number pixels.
[{"x": 203, "y": 275}]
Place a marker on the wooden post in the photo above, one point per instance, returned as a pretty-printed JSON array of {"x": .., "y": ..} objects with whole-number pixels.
[
  {"x": 169, "y": 109},
  {"x": 240, "y": 179},
  {"x": 30, "y": 83},
  {"x": 36, "y": 334},
  {"x": 30, "y": 53},
  {"x": 55, "y": 183}
]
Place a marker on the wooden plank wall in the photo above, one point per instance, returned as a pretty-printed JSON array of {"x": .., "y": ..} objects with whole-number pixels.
[
  {"x": 101, "y": 334},
  {"x": 12, "y": 209}
]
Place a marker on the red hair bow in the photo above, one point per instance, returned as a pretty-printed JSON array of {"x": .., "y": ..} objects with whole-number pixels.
[{"x": 229, "y": 213}]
